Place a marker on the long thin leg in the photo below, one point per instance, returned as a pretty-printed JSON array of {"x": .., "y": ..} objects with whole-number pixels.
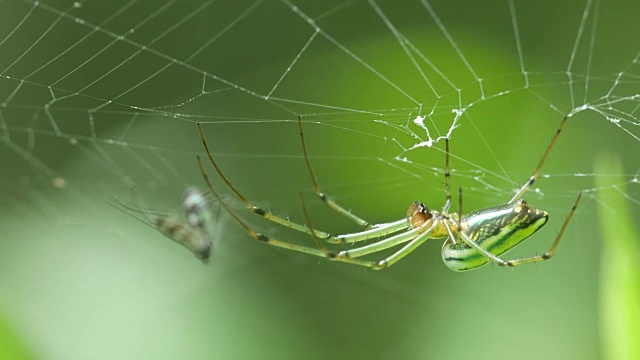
[
  {"x": 323, "y": 251},
  {"x": 322, "y": 196},
  {"x": 251, "y": 207},
  {"x": 406, "y": 250},
  {"x": 548, "y": 254},
  {"x": 378, "y": 231},
  {"x": 447, "y": 179},
  {"x": 212, "y": 229},
  {"x": 328, "y": 253},
  {"x": 256, "y": 235},
  {"x": 278, "y": 243},
  {"x": 474, "y": 245},
  {"x": 535, "y": 174},
  {"x": 459, "y": 215},
  {"x": 388, "y": 242}
]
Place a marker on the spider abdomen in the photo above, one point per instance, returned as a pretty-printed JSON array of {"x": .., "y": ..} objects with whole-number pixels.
[{"x": 496, "y": 229}]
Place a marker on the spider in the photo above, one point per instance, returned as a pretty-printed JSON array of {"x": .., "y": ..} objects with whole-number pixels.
[{"x": 471, "y": 240}]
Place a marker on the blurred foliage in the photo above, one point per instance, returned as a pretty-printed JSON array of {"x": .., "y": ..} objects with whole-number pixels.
[
  {"x": 619, "y": 264},
  {"x": 12, "y": 346}
]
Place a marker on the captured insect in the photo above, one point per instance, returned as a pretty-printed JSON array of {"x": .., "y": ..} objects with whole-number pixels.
[
  {"x": 471, "y": 240},
  {"x": 195, "y": 234},
  {"x": 198, "y": 210}
]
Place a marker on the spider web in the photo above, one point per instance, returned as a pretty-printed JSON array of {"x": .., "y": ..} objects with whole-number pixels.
[
  {"x": 122, "y": 85},
  {"x": 97, "y": 98}
]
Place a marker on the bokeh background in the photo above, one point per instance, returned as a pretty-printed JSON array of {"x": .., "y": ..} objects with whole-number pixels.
[{"x": 100, "y": 97}]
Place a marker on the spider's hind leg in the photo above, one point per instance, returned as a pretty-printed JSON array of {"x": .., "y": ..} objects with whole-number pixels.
[
  {"x": 371, "y": 232},
  {"x": 255, "y": 209},
  {"x": 321, "y": 195},
  {"x": 552, "y": 250}
]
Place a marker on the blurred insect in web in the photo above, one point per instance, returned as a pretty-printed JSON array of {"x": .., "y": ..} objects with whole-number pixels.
[
  {"x": 471, "y": 240},
  {"x": 196, "y": 234}
]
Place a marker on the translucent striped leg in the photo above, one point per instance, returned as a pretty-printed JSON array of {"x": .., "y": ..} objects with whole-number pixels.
[
  {"x": 322, "y": 196},
  {"x": 377, "y": 231},
  {"x": 459, "y": 225},
  {"x": 256, "y": 210},
  {"x": 525, "y": 187},
  {"x": 323, "y": 252},
  {"x": 328, "y": 253},
  {"x": 415, "y": 237},
  {"x": 447, "y": 178},
  {"x": 344, "y": 257}
]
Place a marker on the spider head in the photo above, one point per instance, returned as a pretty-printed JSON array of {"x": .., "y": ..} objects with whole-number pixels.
[{"x": 418, "y": 214}]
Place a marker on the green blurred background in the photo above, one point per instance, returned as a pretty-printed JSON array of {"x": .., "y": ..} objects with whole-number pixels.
[{"x": 89, "y": 112}]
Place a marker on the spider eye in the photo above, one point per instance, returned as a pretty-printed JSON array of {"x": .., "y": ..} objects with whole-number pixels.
[
  {"x": 418, "y": 214},
  {"x": 424, "y": 210}
]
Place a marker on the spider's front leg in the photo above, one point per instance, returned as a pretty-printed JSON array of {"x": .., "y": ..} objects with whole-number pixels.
[{"x": 422, "y": 226}]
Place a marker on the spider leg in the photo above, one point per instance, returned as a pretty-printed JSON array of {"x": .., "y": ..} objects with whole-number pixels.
[
  {"x": 392, "y": 241},
  {"x": 406, "y": 250},
  {"x": 473, "y": 244},
  {"x": 377, "y": 231},
  {"x": 459, "y": 227},
  {"x": 256, "y": 210},
  {"x": 447, "y": 178},
  {"x": 536, "y": 172},
  {"x": 548, "y": 254},
  {"x": 322, "y": 196},
  {"x": 319, "y": 243},
  {"x": 415, "y": 237},
  {"x": 256, "y": 235},
  {"x": 323, "y": 252}
]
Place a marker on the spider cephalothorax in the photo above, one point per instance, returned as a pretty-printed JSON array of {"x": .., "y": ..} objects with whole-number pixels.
[{"x": 418, "y": 214}]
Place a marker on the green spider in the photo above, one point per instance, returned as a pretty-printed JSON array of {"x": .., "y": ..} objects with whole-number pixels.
[{"x": 470, "y": 241}]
